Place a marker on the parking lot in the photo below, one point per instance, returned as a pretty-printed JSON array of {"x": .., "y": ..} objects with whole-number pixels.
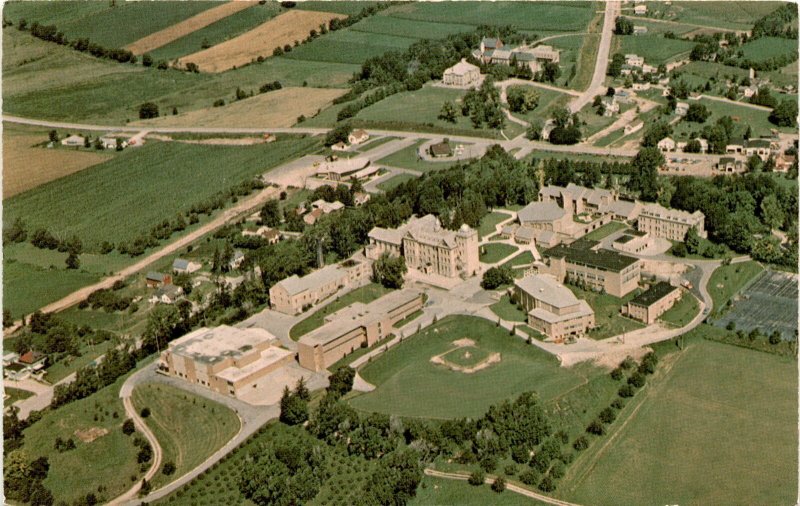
[{"x": 769, "y": 303}]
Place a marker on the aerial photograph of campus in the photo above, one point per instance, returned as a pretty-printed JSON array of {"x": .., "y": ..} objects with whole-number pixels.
[{"x": 365, "y": 253}]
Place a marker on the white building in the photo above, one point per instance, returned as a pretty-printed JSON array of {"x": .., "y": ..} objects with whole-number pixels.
[
  {"x": 462, "y": 73},
  {"x": 358, "y": 136},
  {"x": 666, "y": 144},
  {"x": 634, "y": 60}
]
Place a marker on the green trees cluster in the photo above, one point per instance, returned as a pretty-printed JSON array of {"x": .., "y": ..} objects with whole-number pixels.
[
  {"x": 522, "y": 98},
  {"x": 50, "y": 33},
  {"x": 623, "y": 26},
  {"x": 782, "y": 22},
  {"x": 23, "y": 479},
  {"x": 90, "y": 379},
  {"x": 294, "y": 404},
  {"x": 483, "y": 106},
  {"x": 496, "y": 277},
  {"x": 566, "y": 128},
  {"x": 389, "y": 271}
]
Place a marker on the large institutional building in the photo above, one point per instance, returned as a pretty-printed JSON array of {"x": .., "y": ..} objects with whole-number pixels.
[
  {"x": 672, "y": 224},
  {"x": 355, "y": 326},
  {"x": 227, "y": 360},
  {"x": 295, "y": 294},
  {"x": 462, "y": 74},
  {"x": 583, "y": 263},
  {"x": 552, "y": 308},
  {"x": 577, "y": 199},
  {"x": 657, "y": 300},
  {"x": 428, "y": 247}
]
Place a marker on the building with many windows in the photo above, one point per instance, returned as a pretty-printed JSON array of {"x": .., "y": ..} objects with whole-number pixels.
[
  {"x": 294, "y": 294},
  {"x": 462, "y": 73},
  {"x": 552, "y": 308},
  {"x": 672, "y": 224},
  {"x": 657, "y": 300},
  {"x": 583, "y": 263},
  {"x": 226, "y": 360},
  {"x": 428, "y": 247},
  {"x": 355, "y": 326}
]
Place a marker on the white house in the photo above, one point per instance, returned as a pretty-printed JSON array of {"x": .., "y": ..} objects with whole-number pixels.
[
  {"x": 610, "y": 106},
  {"x": 462, "y": 73},
  {"x": 167, "y": 294},
  {"x": 748, "y": 91},
  {"x": 73, "y": 141},
  {"x": 666, "y": 144},
  {"x": 634, "y": 60},
  {"x": 236, "y": 261},
  {"x": 640, "y": 10},
  {"x": 181, "y": 265},
  {"x": 681, "y": 108},
  {"x": 639, "y": 30},
  {"x": 641, "y": 86},
  {"x": 648, "y": 69},
  {"x": 339, "y": 146},
  {"x": 358, "y": 136}
]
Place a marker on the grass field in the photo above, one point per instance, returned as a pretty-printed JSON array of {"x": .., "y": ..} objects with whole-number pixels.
[
  {"x": 735, "y": 15},
  {"x": 363, "y": 294},
  {"x": 349, "y": 46},
  {"x": 489, "y": 222},
  {"x": 692, "y": 441},
  {"x": 683, "y": 311},
  {"x": 742, "y": 117},
  {"x": 286, "y": 28},
  {"x": 655, "y": 50},
  {"x": 395, "y": 181},
  {"x": 727, "y": 280},
  {"x": 420, "y": 29},
  {"x": 407, "y": 158},
  {"x": 27, "y": 164},
  {"x": 605, "y": 231},
  {"x": 408, "y": 384},
  {"x": 279, "y": 108},
  {"x": 143, "y": 186},
  {"x": 438, "y": 491},
  {"x": 566, "y": 16},
  {"x": 108, "y": 461},
  {"x": 548, "y": 100},
  {"x": 188, "y": 428},
  {"x": 608, "y": 320},
  {"x": 14, "y": 395},
  {"x": 507, "y": 310},
  {"x": 187, "y": 26},
  {"x": 492, "y": 253},
  {"x": 109, "y": 25},
  {"x": 768, "y": 47}
]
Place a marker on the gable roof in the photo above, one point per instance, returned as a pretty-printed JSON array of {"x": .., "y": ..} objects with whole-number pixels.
[
  {"x": 180, "y": 264},
  {"x": 155, "y": 276},
  {"x": 544, "y": 287},
  {"x": 541, "y": 211}
]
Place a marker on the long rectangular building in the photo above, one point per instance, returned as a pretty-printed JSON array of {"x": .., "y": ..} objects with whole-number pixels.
[
  {"x": 582, "y": 263},
  {"x": 226, "y": 360},
  {"x": 657, "y": 300},
  {"x": 355, "y": 326},
  {"x": 672, "y": 224},
  {"x": 552, "y": 308},
  {"x": 294, "y": 294}
]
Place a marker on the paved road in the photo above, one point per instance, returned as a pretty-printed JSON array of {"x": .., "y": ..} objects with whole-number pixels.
[
  {"x": 509, "y": 486},
  {"x": 601, "y": 64},
  {"x": 43, "y": 394}
]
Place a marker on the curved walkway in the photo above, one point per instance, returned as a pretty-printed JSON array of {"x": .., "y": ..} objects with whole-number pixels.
[{"x": 509, "y": 486}]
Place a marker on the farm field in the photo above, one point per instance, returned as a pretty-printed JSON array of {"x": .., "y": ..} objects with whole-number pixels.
[
  {"x": 768, "y": 47},
  {"x": 734, "y": 15},
  {"x": 385, "y": 24},
  {"x": 695, "y": 427},
  {"x": 221, "y": 30},
  {"x": 727, "y": 280},
  {"x": 189, "y": 428},
  {"x": 349, "y": 46},
  {"x": 130, "y": 180},
  {"x": 110, "y": 25},
  {"x": 364, "y": 294},
  {"x": 408, "y": 384},
  {"x": 108, "y": 460},
  {"x": 187, "y": 26},
  {"x": 655, "y": 50},
  {"x": 559, "y": 17},
  {"x": 279, "y": 108},
  {"x": 27, "y": 164},
  {"x": 260, "y": 41}
]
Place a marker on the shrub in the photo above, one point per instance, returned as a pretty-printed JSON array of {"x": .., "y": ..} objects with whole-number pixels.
[
  {"x": 477, "y": 477},
  {"x": 581, "y": 443},
  {"x": 596, "y": 427},
  {"x": 128, "y": 427},
  {"x": 169, "y": 468},
  {"x": 558, "y": 469},
  {"x": 547, "y": 484},
  {"x": 617, "y": 374},
  {"x": 510, "y": 470},
  {"x": 499, "y": 484},
  {"x": 637, "y": 380},
  {"x": 608, "y": 415},
  {"x": 145, "y": 412},
  {"x": 618, "y": 404},
  {"x": 626, "y": 391},
  {"x": 529, "y": 477}
]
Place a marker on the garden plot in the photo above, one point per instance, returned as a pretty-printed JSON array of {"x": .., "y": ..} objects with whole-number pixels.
[{"x": 768, "y": 304}]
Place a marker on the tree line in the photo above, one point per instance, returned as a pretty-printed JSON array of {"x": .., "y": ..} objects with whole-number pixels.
[{"x": 50, "y": 33}]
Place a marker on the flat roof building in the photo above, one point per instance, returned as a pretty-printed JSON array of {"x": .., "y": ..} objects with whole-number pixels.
[
  {"x": 295, "y": 294},
  {"x": 552, "y": 308},
  {"x": 671, "y": 224},
  {"x": 657, "y": 300},
  {"x": 343, "y": 169},
  {"x": 582, "y": 263},
  {"x": 226, "y": 360},
  {"x": 355, "y": 326}
]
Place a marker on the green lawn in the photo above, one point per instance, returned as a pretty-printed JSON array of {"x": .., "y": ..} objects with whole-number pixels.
[
  {"x": 67, "y": 366},
  {"x": 385, "y": 24},
  {"x": 727, "y": 280},
  {"x": 395, "y": 181},
  {"x": 364, "y": 294},
  {"x": 605, "y": 231},
  {"x": 523, "y": 258},
  {"x": 548, "y": 100},
  {"x": 189, "y": 428},
  {"x": 14, "y": 395},
  {"x": 217, "y": 32},
  {"x": 348, "y": 46},
  {"x": 109, "y": 461},
  {"x": 608, "y": 320},
  {"x": 736, "y": 15},
  {"x": 488, "y": 222},
  {"x": 742, "y": 117},
  {"x": 493, "y": 252},
  {"x": 655, "y": 50},
  {"x": 692, "y": 441},
  {"x": 438, "y": 491},
  {"x": 507, "y": 310},
  {"x": 768, "y": 47},
  {"x": 683, "y": 311},
  {"x": 374, "y": 143},
  {"x": 407, "y": 158},
  {"x": 408, "y": 384}
]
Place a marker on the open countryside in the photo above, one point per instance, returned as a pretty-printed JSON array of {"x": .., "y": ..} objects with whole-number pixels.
[{"x": 433, "y": 253}]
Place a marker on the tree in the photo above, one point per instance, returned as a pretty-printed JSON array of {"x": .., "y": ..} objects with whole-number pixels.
[
  {"x": 580, "y": 443},
  {"x": 692, "y": 241},
  {"x": 775, "y": 337},
  {"x": 389, "y": 271},
  {"x": 693, "y": 146},
  {"x": 772, "y": 213},
  {"x": 534, "y": 131},
  {"x": 623, "y": 26},
  {"x": 655, "y": 133},
  {"x": 784, "y": 114},
  {"x": 339, "y": 133},
  {"x": 477, "y": 477},
  {"x": 615, "y": 65},
  {"x": 495, "y": 277},
  {"x": 53, "y": 136},
  {"x": 128, "y": 427},
  {"x": 294, "y": 410},
  {"x": 341, "y": 381},
  {"x": 72, "y": 261},
  {"x": 449, "y": 112},
  {"x": 644, "y": 178},
  {"x": 499, "y": 484},
  {"x": 547, "y": 484},
  {"x": 270, "y": 214},
  {"x": 764, "y": 97},
  {"x": 148, "y": 110},
  {"x": 697, "y": 113},
  {"x": 608, "y": 415},
  {"x": 169, "y": 468},
  {"x": 596, "y": 427},
  {"x": 637, "y": 380},
  {"x": 147, "y": 60},
  {"x": 522, "y": 99},
  {"x": 301, "y": 390}
]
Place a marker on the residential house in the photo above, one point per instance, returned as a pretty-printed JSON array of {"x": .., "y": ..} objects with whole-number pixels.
[
  {"x": 441, "y": 149},
  {"x": 672, "y": 224},
  {"x": 358, "y": 136},
  {"x": 649, "y": 69},
  {"x": 657, "y": 300},
  {"x": 626, "y": 69},
  {"x": 167, "y": 294},
  {"x": 360, "y": 198},
  {"x": 666, "y": 144},
  {"x": 748, "y": 91},
  {"x": 736, "y": 146},
  {"x": 156, "y": 279},
  {"x": 610, "y": 106},
  {"x": 760, "y": 147},
  {"x": 641, "y": 86},
  {"x": 634, "y": 60},
  {"x": 312, "y": 217},
  {"x": 33, "y": 360},
  {"x": 294, "y": 294},
  {"x": 429, "y": 248},
  {"x": 640, "y": 10},
  {"x": 327, "y": 207},
  {"x": 681, "y": 108},
  {"x": 339, "y": 146},
  {"x": 783, "y": 162},
  {"x": 639, "y": 30},
  {"x": 462, "y": 73},
  {"x": 75, "y": 141},
  {"x": 270, "y": 235},
  {"x": 552, "y": 308},
  {"x": 182, "y": 266},
  {"x": 729, "y": 164},
  {"x": 356, "y": 326}
]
